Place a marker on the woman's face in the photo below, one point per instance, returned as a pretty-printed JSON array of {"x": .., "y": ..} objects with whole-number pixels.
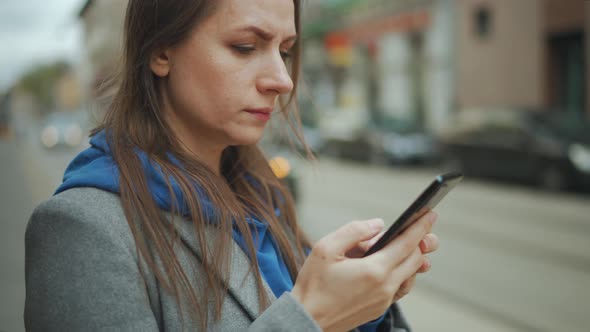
[{"x": 221, "y": 84}]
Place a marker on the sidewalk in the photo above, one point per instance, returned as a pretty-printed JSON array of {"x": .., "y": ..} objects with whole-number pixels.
[{"x": 427, "y": 312}]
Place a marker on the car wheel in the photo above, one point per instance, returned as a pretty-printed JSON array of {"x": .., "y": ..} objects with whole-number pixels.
[{"x": 553, "y": 179}]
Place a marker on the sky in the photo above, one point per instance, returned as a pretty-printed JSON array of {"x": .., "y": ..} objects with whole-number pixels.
[{"x": 34, "y": 32}]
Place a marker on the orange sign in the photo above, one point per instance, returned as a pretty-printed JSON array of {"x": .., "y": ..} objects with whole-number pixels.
[{"x": 406, "y": 22}]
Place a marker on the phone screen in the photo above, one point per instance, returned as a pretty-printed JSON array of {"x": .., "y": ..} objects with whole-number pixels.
[{"x": 425, "y": 202}]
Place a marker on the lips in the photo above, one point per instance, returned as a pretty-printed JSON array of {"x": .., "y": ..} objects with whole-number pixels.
[{"x": 260, "y": 113}]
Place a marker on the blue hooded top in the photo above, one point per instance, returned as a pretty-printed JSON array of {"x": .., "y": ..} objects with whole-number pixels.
[{"x": 95, "y": 167}]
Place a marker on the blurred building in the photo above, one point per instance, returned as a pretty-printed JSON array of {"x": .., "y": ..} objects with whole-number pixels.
[
  {"x": 413, "y": 62},
  {"x": 21, "y": 109},
  {"x": 529, "y": 53},
  {"x": 384, "y": 62},
  {"x": 68, "y": 92},
  {"x": 103, "y": 34},
  {"x": 416, "y": 62}
]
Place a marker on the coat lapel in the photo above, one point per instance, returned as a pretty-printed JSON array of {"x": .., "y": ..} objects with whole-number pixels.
[{"x": 241, "y": 283}]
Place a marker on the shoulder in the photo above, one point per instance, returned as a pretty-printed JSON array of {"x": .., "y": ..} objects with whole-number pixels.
[
  {"x": 80, "y": 212},
  {"x": 81, "y": 201},
  {"x": 81, "y": 266}
]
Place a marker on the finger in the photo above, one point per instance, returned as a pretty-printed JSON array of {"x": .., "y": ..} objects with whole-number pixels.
[
  {"x": 350, "y": 235},
  {"x": 426, "y": 265},
  {"x": 366, "y": 245},
  {"x": 400, "y": 248},
  {"x": 405, "y": 288},
  {"x": 408, "y": 267},
  {"x": 429, "y": 243},
  {"x": 360, "y": 250}
]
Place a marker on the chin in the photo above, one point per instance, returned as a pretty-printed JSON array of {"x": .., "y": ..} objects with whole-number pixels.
[{"x": 247, "y": 137}]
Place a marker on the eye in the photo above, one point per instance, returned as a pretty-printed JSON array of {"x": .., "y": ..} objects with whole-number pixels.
[{"x": 243, "y": 49}]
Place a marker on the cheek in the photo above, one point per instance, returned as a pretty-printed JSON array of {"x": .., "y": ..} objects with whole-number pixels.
[
  {"x": 213, "y": 84},
  {"x": 224, "y": 90},
  {"x": 201, "y": 85}
]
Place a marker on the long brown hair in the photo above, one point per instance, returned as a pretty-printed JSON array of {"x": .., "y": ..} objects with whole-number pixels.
[{"x": 247, "y": 186}]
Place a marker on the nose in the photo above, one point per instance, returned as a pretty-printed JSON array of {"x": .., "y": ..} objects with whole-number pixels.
[{"x": 275, "y": 77}]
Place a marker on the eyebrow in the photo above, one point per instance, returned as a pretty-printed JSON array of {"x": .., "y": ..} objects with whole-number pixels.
[{"x": 267, "y": 36}]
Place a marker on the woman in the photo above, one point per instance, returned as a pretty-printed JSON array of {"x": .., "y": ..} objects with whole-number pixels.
[{"x": 172, "y": 219}]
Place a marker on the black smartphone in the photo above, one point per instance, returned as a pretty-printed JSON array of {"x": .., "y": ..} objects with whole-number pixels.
[{"x": 427, "y": 200}]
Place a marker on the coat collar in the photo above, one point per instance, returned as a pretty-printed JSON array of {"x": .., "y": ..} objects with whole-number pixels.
[{"x": 241, "y": 281}]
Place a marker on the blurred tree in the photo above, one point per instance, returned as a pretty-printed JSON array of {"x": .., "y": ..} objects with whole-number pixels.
[{"x": 41, "y": 81}]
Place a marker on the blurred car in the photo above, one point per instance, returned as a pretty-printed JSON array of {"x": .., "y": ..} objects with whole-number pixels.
[
  {"x": 398, "y": 142},
  {"x": 312, "y": 134},
  {"x": 546, "y": 148},
  {"x": 63, "y": 129},
  {"x": 282, "y": 136},
  {"x": 313, "y": 138},
  {"x": 360, "y": 135},
  {"x": 344, "y": 133},
  {"x": 288, "y": 140}
]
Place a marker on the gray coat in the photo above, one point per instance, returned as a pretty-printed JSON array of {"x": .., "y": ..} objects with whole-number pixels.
[{"x": 83, "y": 274}]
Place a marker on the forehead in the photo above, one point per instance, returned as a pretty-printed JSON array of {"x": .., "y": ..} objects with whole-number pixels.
[{"x": 277, "y": 16}]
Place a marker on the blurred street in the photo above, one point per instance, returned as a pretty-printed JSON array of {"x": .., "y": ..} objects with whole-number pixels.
[
  {"x": 511, "y": 258},
  {"x": 29, "y": 175},
  {"x": 15, "y": 205}
]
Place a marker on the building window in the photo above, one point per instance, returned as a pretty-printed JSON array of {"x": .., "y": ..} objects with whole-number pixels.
[{"x": 482, "y": 20}]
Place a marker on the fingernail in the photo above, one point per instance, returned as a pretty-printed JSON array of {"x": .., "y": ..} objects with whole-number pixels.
[
  {"x": 433, "y": 218},
  {"x": 376, "y": 224},
  {"x": 424, "y": 245}
]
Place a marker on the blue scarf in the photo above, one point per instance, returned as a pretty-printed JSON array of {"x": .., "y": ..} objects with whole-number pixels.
[{"x": 95, "y": 167}]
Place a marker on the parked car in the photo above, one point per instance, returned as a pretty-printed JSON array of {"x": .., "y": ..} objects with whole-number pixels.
[
  {"x": 539, "y": 147},
  {"x": 376, "y": 138},
  {"x": 281, "y": 135},
  {"x": 344, "y": 133},
  {"x": 288, "y": 140},
  {"x": 312, "y": 134},
  {"x": 401, "y": 142}
]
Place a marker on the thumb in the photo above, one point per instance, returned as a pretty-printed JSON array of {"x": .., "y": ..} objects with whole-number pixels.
[{"x": 351, "y": 234}]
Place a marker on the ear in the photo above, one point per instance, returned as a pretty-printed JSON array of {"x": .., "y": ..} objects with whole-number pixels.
[{"x": 160, "y": 63}]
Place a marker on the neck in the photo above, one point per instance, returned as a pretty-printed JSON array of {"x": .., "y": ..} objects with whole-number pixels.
[{"x": 208, "y": 155}]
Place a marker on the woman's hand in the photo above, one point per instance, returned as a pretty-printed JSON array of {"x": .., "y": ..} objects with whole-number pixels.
[
  {"x": 428, "y": 244},
  {"x": 341, "y": 290}
]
